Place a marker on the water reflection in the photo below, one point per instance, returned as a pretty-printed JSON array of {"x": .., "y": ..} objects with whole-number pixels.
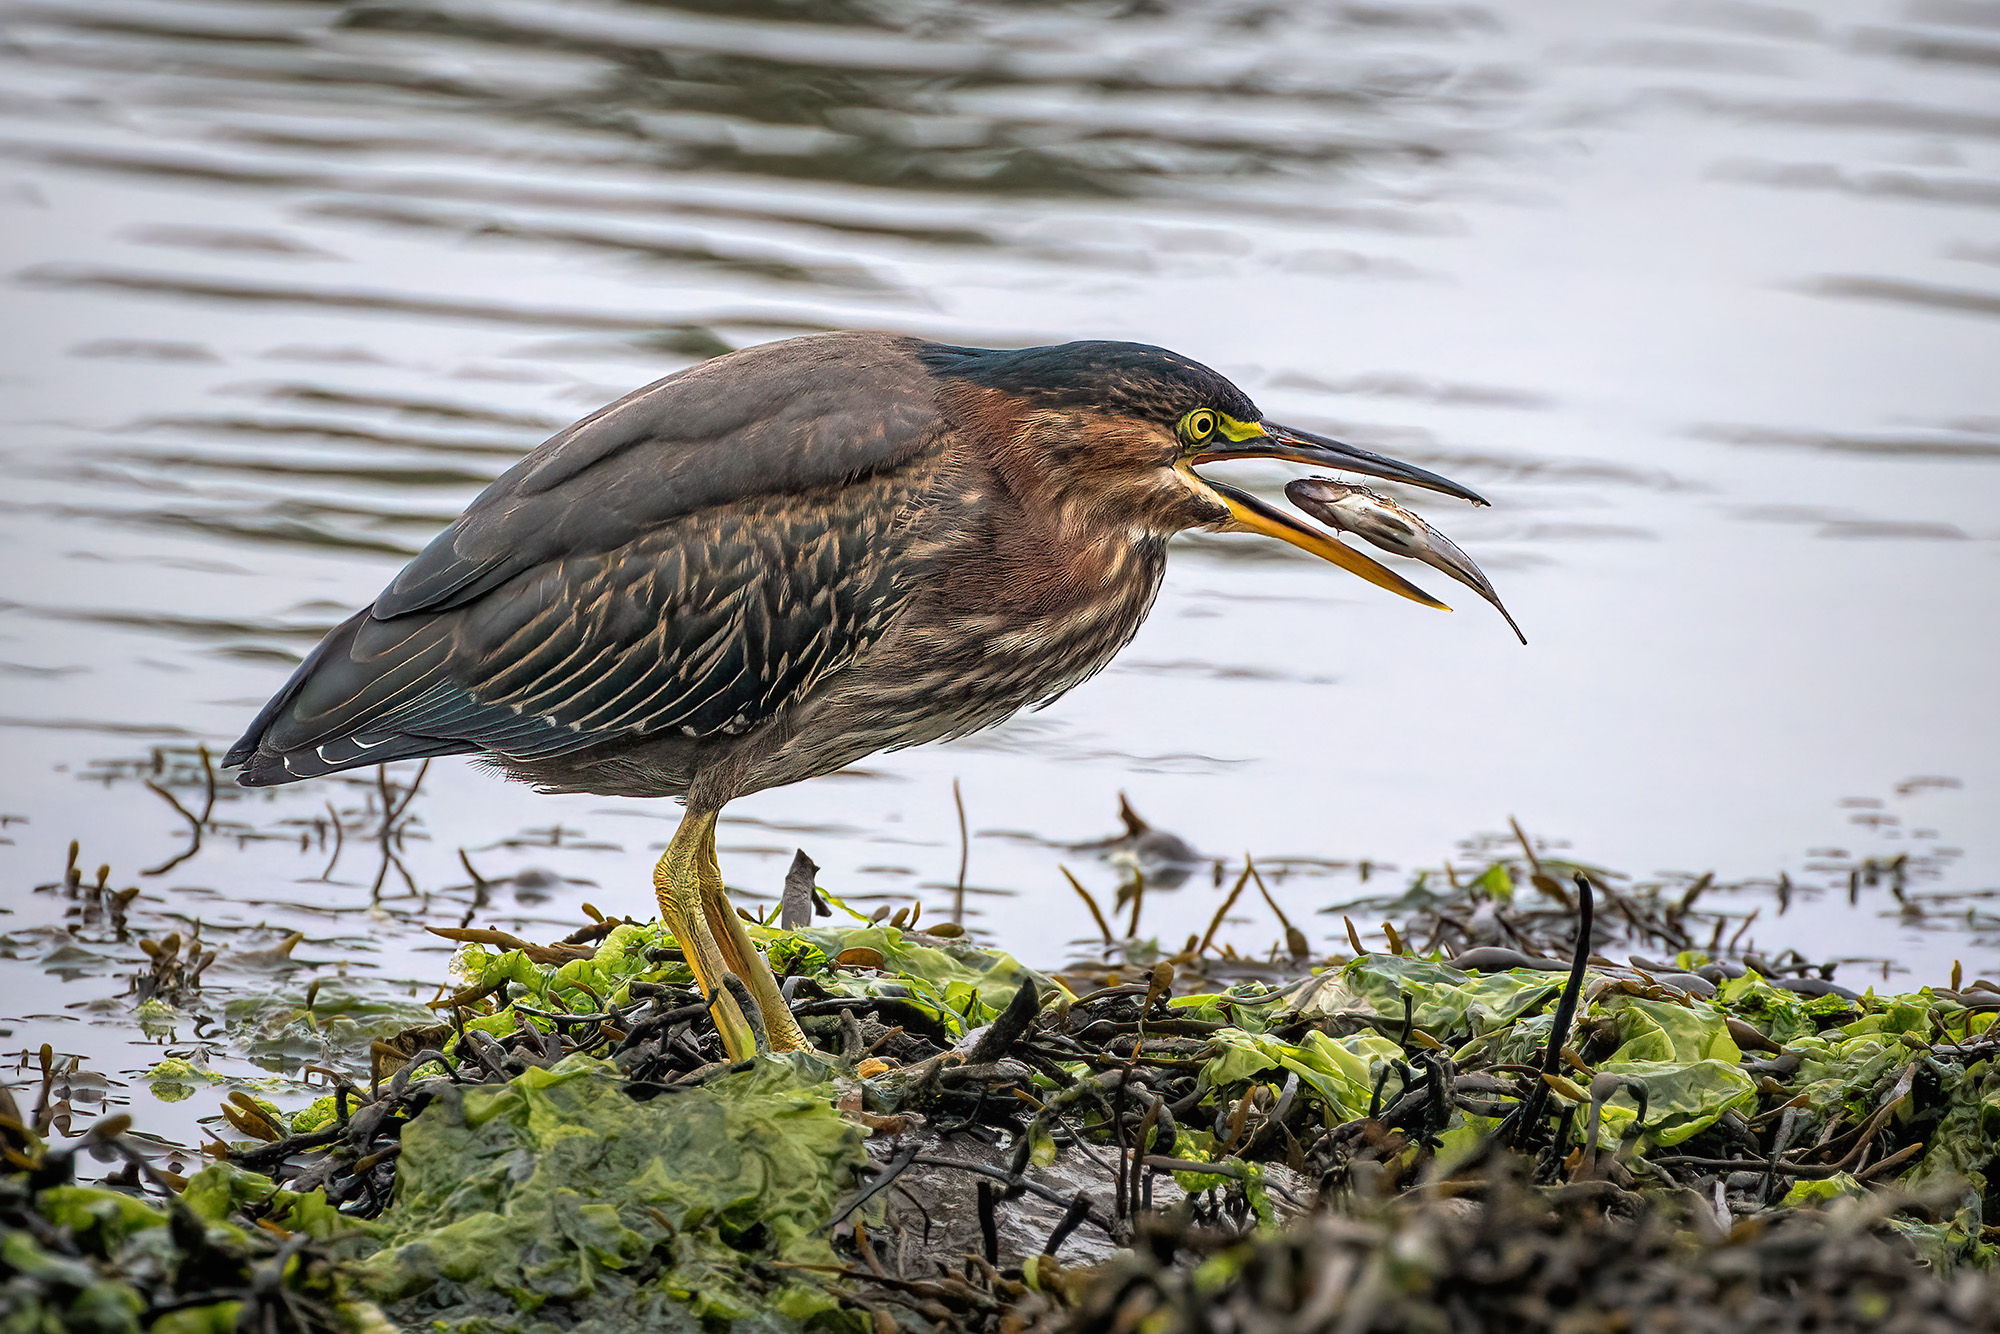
[{"x": 1702, "y": 296}]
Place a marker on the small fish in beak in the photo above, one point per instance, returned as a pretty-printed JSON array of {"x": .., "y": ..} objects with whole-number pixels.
[{"x": 1381, "y": 521}]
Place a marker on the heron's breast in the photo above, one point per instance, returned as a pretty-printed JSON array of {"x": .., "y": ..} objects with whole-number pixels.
[
  {"x": 947, "y": 665},
  {"x": 971, "y": 662}
]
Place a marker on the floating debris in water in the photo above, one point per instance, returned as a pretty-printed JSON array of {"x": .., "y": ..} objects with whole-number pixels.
[{"x": 1163, "y": 857}]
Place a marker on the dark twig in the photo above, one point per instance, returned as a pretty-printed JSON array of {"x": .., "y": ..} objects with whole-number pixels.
[
  {"x": 1027, "y": 1184},
  {"x": 196, "y": 823},
  {"x": 1096, "y": 915},
  {"x": 1528, "y": 1129},
  {"x": 1079, "y": 1209},
  {"x": 387, "y": 836},
  {"x": 892, "y": 1169},
  {"x": 989, "y": 1226},
  {"x": 1008, "y": 1029}
]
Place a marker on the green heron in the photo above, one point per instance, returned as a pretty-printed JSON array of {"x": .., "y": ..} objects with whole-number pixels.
[{"x": 771, "y": 564}]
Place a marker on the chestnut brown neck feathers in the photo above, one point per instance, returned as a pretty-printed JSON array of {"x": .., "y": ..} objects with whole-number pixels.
[{"x": 1062, "y": 499}]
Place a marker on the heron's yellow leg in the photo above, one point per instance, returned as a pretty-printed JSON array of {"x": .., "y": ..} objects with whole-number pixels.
[
  {"x": 744, "y": 958},
  {"x": 677, "y": 881}
]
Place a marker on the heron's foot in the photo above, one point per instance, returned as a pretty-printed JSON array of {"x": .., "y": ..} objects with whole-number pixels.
[
  {"x": 677, "y": 883},
  {"x": 757, "y": 1015},
  {"x": 745, "y": 959},
  {"x": 743, "y": 994}
]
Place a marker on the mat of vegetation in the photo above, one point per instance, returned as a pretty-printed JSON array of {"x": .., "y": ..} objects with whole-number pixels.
[{"x": 1480, "y": 1133}]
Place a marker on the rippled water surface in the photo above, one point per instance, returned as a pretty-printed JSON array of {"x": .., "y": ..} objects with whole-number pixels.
[{"x": 1704, "y": 296}]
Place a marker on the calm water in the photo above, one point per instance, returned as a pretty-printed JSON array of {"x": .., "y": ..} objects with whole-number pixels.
[{"x": 1705, "y": 296}]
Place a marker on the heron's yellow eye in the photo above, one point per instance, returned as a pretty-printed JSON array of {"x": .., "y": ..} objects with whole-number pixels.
[{"x": 1198, "y": 425}]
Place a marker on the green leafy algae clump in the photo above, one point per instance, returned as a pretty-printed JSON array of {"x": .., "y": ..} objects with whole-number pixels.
[
  {"x": 1680, "y": 1053},
  {"x": 79, "y": 1259},
  {"x": 559, "y": 1201},
  {"x": 175, "y": 1079},
  {"x": 953, "y": 983}
]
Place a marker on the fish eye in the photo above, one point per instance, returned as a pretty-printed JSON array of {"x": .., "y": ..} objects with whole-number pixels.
[{"x": 1198, "y": 425}]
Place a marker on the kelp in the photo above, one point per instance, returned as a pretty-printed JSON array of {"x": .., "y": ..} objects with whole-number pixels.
[
  {"x": 565, "y": 1146},
  {"x": 1510, "y": 1257}
]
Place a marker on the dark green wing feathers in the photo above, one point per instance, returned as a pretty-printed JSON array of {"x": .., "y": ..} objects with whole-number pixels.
[{"x": 686, "y": 559}]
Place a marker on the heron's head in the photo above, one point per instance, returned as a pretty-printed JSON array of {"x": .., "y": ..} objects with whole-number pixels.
[{"x": 1122, "y": 428}]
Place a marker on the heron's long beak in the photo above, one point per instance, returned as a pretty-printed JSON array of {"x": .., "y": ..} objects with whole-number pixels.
[
  {"x": 1267, "y": 440},
  {"x": 1247, "y": 514}
]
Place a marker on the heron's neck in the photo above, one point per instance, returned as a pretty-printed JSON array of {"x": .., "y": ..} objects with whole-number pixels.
[{"x": 1039, "y": 529}]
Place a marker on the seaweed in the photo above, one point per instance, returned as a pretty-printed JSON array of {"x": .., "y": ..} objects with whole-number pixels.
[
  {"x": 1501, "y": 1255},
  {"x": 1470, "y": 1135},
  {"x": 101, "y": 1259}
]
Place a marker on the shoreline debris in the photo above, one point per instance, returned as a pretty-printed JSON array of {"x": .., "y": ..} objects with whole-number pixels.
[{"x": 1157, "y": 1138}]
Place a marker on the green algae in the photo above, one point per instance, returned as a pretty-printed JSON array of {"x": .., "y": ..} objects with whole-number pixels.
[
  {"x": 554, "y": 1200},
  {"x": 175, "y": 1079},
  {"x": 94, "y": 1260},
  {"x": 1675, "y": 1048},
  {"x": 1340, "y": 1072},
  {"x": 575, "y": 1195},
  {"x": 1682, "y": 1054},
  {"x": 958, "y": 985},
  {"x": 557, "y": 1200}
]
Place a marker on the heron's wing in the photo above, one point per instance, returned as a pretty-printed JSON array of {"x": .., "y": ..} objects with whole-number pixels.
[
  {"x": 783, "y": 418},
  {"x": 626, "y": 584},
  {"x": 703, "y": 627}
]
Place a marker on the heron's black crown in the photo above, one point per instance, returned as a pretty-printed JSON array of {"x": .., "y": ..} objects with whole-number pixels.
[{"x": 1134, "y": 378}]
